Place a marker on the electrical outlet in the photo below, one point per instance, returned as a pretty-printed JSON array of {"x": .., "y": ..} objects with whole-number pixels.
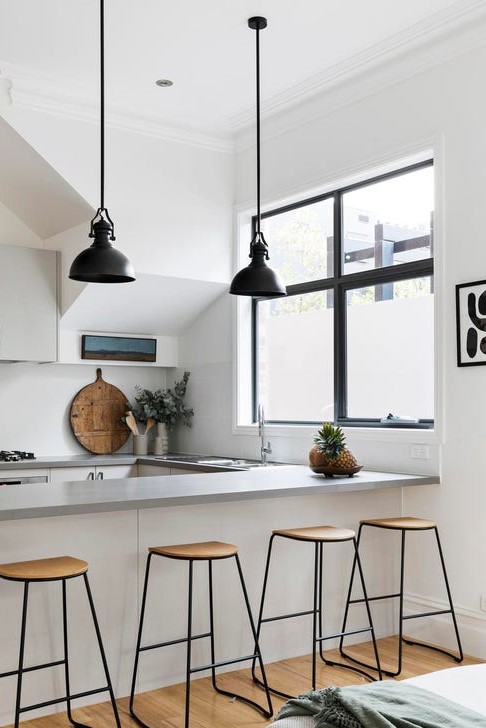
[
  {"x": 483, "y": 602},
  {"x": 419, "y": 452}
]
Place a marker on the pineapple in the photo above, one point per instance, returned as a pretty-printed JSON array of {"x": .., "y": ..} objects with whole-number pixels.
[{"x": 330, "y": 449}]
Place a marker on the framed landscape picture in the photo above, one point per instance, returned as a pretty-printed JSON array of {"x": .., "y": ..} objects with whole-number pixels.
[
  {"x": 471, "y": 323},
  {"x": 118, "y": 348}
]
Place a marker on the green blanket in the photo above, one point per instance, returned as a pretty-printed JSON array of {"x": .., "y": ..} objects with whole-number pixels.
[{"x": 387, "y": 704}]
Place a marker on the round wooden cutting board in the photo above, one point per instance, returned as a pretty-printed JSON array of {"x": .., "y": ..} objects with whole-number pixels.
[{"x": 95, "y": 417}]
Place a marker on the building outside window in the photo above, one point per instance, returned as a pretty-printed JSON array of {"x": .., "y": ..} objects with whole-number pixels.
[{"x": 354, "y": 339}]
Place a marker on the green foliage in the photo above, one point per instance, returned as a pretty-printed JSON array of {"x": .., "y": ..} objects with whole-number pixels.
[
  {"x": 164, "y": 405},
  {"x": 330, "y": 440}
]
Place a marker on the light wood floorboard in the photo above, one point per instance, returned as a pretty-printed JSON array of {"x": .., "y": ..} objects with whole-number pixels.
[{"x": 164, "y": 708}]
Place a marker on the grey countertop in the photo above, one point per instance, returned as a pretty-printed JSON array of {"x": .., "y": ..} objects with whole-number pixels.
[{"x": 58, "y": 499}]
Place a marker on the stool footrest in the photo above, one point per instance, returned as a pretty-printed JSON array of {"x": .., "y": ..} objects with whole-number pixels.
[
  {"x": 31, "y": 669},
  {"x": 344, "y": 634},
  {"x": 212, "y": 665},
  {"x": 374, "y": 599},
  {"x": 62, "y": 700},
  {"x": 427, "y": 614},
  {"x": 287, "y": 616},
  {"x": 174, "y": 642}
]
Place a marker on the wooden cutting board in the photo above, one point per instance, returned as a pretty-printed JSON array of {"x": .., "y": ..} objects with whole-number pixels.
[{"x": 95, "y": 417}]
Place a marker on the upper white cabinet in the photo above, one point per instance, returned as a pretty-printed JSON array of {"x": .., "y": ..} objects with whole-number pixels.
[{"x": 28, "y": 304}]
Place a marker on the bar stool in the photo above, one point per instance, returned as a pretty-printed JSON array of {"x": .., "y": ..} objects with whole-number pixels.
[
  {"x": 404, "y": 524},
  {"x": 61, "y": 569},
  {"x": 208, "y": 551},
  {"x": 317, "y": 535}
]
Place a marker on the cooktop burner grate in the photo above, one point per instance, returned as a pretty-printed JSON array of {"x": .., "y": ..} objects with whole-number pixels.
[{"x": 13, "y": 456}]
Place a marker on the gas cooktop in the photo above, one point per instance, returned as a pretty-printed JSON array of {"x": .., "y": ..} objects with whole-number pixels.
[{"x": 13, "y": 456}]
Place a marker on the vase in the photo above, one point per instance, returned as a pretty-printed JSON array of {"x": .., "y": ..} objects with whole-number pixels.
[
  {"x": 140, "y": 443},
  {"x": 161, "y": 446}
]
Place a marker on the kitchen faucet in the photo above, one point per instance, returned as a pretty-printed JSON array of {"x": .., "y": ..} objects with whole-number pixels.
[{"x": 264, "y": 449}]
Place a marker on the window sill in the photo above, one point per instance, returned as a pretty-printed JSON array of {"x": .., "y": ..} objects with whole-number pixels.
[{"x": 374, "y": 434}]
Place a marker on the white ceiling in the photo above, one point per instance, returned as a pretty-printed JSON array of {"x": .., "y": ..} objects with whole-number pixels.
[{"x": 205, "y": 48}]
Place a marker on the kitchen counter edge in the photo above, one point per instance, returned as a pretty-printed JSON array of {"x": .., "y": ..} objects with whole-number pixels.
[{"x": 77, "y": 497}]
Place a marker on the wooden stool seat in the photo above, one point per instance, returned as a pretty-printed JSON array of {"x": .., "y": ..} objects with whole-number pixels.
[
  {"x": 403, "y": 523},
  {"x": 316, "y": 533},
  {"x": 197, "y": 551},
  {"x": 59, "y": 567}
]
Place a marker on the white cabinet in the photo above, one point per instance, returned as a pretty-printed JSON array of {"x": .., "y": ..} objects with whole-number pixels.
[
  {"x": 105, "y": 472},
  {"x": 59, "y": 475},
  {"x": 28, "y": 304},
  {"x": 101, "y": 472},
  {"x": 152, "y": 470},
  {"x": 158, "y": 470}
]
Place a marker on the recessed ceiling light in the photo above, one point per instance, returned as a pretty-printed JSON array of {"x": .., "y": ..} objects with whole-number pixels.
[{"x": 164, "y": 82}]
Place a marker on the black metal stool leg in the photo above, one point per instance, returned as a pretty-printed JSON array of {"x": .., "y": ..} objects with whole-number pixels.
[
  {"x": 211, "y": 625},
  {"x": 368, "y": 609},
  {"x": 66, "y": 659},
  {"x": 315, "y": 602},
  {"x": 319, "y": 607},
  {"x": 262, "y": 602},
  {"x": 102, "y": 651},
  {"x": 189, "y": 645},
  {"x": 350, "y": 591},
  {"x": 267, "y": 713},
  {"x": 444, "y": 611},
  {"x": 21, "y": 654},
  {"x": 343, "y": 633},
  {"x": 400, "y": 602},
  {"x": 139, "y": 642}
]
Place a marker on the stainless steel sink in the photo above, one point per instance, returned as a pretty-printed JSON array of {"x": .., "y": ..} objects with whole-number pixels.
[{"x": 216, "y": 461}]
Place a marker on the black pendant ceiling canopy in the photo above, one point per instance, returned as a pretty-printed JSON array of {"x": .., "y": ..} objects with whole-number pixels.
[
  {"x": 101, "y": 262},
  {"x": 258, "y": 279}
]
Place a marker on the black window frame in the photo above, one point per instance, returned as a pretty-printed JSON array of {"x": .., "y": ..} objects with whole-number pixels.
[{"x": 340, "y": 283}]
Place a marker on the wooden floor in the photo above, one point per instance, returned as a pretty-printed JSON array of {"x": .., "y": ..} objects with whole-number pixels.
[{"x": 164, "y": 708}]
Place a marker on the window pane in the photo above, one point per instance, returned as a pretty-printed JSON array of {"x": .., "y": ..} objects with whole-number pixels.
[
  {"x": 390, "y": 350},
  {"x": 295, "y": 357},
  {"x": 389, "y": 222},
  {"x": 300, "y": 242}
]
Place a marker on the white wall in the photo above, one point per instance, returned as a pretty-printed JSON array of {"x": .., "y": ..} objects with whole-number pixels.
[
  {"x": 170, "y": 202},
  {"x": 35, "y": 401},
  {"x": 439, "y": 108},
  {"x": 15, "y": 232}
]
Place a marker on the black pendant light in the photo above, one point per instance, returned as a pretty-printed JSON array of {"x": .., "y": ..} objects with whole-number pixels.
[
  {"x": 101, "y": 262},
  {"x": 257, "y": 279}
]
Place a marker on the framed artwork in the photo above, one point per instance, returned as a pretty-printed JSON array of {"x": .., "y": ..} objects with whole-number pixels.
[
  {"x": 118, "y": 348},
  {"x": 471, "y": 323}
]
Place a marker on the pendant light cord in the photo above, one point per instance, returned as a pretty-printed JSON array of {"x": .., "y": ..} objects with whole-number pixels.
[
  {"x": 102, "y": 104},
  {"x": 102, "y": 212},
  {"x": 259, "y": 216}
]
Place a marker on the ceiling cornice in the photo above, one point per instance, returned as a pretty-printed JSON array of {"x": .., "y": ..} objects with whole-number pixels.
[
  {"x": 427, "y": 31},
  {"x": 29, "y": 89},
  {"x": 370, "y": 80},
  {"x": 435, "y": 39}
]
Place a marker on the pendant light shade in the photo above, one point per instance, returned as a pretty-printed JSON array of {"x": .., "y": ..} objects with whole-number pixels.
[
  {"x": 101, "y": 262},
  {"x": 258, "y": 279}
]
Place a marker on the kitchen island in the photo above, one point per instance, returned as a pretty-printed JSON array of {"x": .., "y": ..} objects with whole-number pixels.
[{"x": 111, "y": 523}]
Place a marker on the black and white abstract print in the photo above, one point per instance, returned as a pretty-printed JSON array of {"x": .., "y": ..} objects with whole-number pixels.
[{"x": 471, "y": 323}]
